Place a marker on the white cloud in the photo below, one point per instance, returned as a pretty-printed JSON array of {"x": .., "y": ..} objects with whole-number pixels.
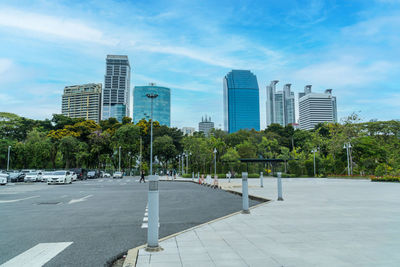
[
  {"x": 5, "y": 65},
  {"x": 46, "y": 26},
  {"x": 344, "y": 72}
]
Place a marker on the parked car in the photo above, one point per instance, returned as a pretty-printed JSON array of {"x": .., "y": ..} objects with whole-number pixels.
[
  {"x": 74, "y": 176},
  {"x": 80, "y": 173},
  {"x": 92, "y": 175},
  {"x": 28, "y": 171},
  {"x": 106, "y": 175},
  {"x": 16, "y": 177},
  {"x": 33, "y": 177},
  {"x": 60, "y": 177},
  {"x": 117, "y": 175},
  {"x": 3, "y": 178},
  {"x": 46, "y": 175}
]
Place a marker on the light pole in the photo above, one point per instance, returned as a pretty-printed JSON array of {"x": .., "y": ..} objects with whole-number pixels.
[
  {"x": 179, "y": 163},
  {"x": 187, "y": 161},
  {"x": 151, "y": 96},
  {"x": 347, "y": 146},
  {"x": 314, "y": 150},
  {"x": 183, "y": 163},
  {"x": 8, "y": 158},
  {"x": 119, "y": 159},
  {"x": 215, "y": 162}
]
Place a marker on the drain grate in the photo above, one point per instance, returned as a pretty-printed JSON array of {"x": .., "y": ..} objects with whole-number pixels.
[{"x": 48, "y": 203}]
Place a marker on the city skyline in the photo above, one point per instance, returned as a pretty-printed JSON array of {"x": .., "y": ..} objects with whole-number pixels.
[{"x": 350, "y": 47}]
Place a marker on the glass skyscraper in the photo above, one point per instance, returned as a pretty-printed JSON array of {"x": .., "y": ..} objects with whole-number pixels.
[
  {"x": 280, "y": 105},
  {"x": 161, "y": 104},
  {"x": 116, "y": 91},
  {"x": 241, "y": 101}
]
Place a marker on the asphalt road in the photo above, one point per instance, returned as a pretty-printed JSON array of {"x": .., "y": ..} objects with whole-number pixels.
[{"x": 102, "y": 217}]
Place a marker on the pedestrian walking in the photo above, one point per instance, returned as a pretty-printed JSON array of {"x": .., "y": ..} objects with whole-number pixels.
[{"x": 142, "y": 177}]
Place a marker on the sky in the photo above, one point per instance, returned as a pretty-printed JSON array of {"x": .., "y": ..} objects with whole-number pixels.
[{"x": 351, "y": 46}]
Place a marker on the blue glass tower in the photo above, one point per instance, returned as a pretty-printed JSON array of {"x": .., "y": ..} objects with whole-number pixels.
[
  {"x": 241, "y": 101},
  {"x": 161, "y": 104}
]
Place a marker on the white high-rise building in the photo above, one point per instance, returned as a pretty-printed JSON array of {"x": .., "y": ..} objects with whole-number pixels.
[
  {"x": 188, "y": 131},
  {"x": 280, "y": 105},
  {"x": 316, "y": 108},
  {"x": 116, "y": 91},
  {"x": 206, "y": 125}
]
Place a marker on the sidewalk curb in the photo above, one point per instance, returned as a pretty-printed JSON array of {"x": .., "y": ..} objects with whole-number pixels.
[{"x": 132, "y": 254}]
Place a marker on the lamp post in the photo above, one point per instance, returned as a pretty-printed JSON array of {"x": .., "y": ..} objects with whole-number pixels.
[
  {"x": 347, "y": 146},
  {"x": 187, "y": 161},
  {"x": 8, "y": 158},
  {"x": 314, "y": 150},
  {"x": 215, "y": 162},
  {"x": 179, "y": 163},
  {"x": 152, "y": 96},
  {"x": 183, "y": 163},
  {"x": 119, "y": 159}
]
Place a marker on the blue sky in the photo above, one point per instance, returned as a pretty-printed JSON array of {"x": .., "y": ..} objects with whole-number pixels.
[{"x": 351, "y": 46}]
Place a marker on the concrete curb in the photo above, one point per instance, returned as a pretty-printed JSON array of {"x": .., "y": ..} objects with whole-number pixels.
[{"x": 131, "y": 258}]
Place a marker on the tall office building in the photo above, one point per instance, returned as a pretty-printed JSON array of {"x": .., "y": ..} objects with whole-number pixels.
[
  {"x": 241, "y": 101},
  {"x": 161, "y": 104},
  {"x": 206, "y": 125},
  {"x": 188, "y": 131},
  {"x": 82, "y": 101},
  {"x": 280, "y": 105},
  {"x": 316, "y": 108},
  {"x": 116, "y": 91}
]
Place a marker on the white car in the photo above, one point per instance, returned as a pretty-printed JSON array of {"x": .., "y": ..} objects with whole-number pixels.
[
  {"x": 46, "y": 175},
  {"x": 117, "y": 175},
  {"x": 60, "y": 177},
  {"x": 106, "y": 175},
  {"x": 3, "y": 178},
  {"x": 33, "y": 177},
  {"x": 74, "y": 176}
]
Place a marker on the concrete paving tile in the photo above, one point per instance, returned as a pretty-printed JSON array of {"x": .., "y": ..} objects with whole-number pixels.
[
  {"x": 166, "y": 264},
  {"x": 190, "y": 257},
  {"x": 230, "y": 263},
  {"x": 226, "y": 255},
  {"x": 193, "y": 243},
  {"x": 198, "y": 263},
  {"x": 261, "y": 262},
  {"x": 143, "y": 259},
  {"x": 164, "y": 258},
  {"x": 192, "y": 250}
]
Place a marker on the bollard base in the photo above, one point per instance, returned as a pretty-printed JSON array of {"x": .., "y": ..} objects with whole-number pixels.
[
  {"x": 153, "y": 249},
  {"x": 245, "y": 212},
  {"x": 280, "y": 199}
]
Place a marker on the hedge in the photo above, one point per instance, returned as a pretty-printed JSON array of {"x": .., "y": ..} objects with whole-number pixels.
[{"x": 385, "y": 179}]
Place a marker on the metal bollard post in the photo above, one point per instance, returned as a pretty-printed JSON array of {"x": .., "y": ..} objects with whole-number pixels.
[
  {"x": 192, "y": 176},
  {"x": 261, "y": 179},
  {"x": 245, "y": 193},
  {"x": 153, "y": 213},
  {"x": 279, "y": 179}
]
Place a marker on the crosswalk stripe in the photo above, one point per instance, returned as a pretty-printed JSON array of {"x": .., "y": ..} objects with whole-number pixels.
[{"x": 38, "y": 255}]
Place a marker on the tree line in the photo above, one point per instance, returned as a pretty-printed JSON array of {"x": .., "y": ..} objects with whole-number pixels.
[{"x": 63, "y": 143}]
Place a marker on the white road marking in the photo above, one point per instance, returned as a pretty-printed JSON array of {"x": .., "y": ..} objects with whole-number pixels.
[
  {"x": 63, "y": 196},
  {"x": 37, "y": 256},
  {"x": 79, "y": 199},
  {"x": 16, "y": 200}
]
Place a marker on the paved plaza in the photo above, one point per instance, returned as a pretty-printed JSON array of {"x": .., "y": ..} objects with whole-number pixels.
[{"x": 321, "y": 222}]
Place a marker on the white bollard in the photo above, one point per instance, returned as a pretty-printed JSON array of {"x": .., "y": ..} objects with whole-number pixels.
[
  {"x": 192, "y": 176},
  {"x": 153, "y": 213},
  {"x": 261, "y": 179},
  {"x": 245, "y": 193},
  {"x": 279, "y": 179}
]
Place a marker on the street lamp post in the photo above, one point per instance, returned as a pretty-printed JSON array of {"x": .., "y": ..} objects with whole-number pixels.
[
  {"x": 215, "y": 162},
  {"x": 152, "y": 96},
  {"x": 8, "y": 158},
  {"x": 347, "y": 146},
  {"x": 315, "y": 171},
  {"x": 183, "y": 163},
  {"x": 119, "y": 159},
  {"x": 187, "y": 161}
]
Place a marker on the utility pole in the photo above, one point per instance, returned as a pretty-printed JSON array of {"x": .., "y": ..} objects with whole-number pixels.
[
  {"x": 215, "y": 162},
  {"x": 315, "y": 170},
  {"x": 119, "y": 159},
  {"x": 8, "y": 158}
]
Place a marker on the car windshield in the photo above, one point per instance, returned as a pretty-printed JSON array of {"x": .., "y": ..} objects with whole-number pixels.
[
  {"x": 32, "y": 173},
  {"x": 48, "y": 173},
  {"x": 117, "y": 172},
  {"x": 90, "y": 172},
  {"x": 59, "y": 173}
]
